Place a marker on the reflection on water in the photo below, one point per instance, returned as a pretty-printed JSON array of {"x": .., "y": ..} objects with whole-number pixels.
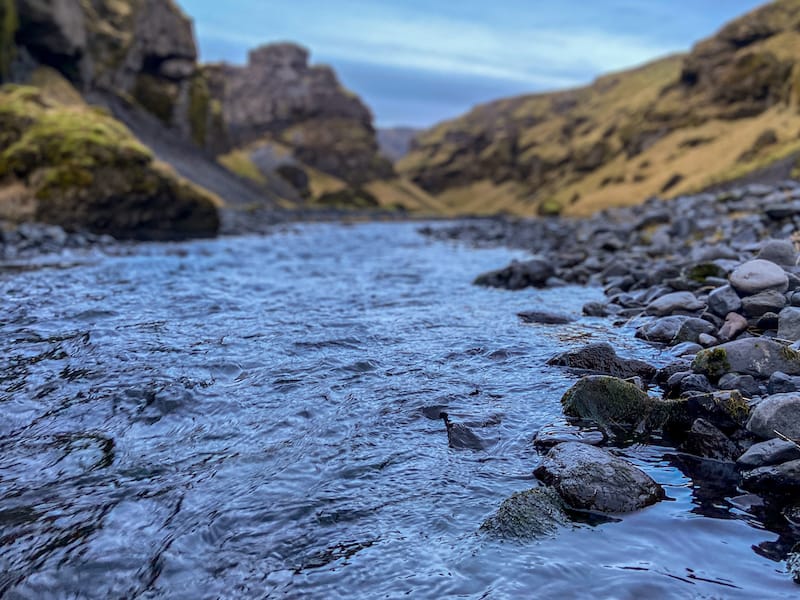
[{"x": 258, "y": 417}]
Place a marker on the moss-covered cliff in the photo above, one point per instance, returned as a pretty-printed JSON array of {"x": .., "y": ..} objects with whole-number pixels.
[
  {"x": 75, "y": 166},
  {"x": 673, "y": 126}
]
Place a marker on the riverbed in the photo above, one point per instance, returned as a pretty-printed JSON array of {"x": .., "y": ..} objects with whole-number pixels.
[{"x": 257, "y": 417}]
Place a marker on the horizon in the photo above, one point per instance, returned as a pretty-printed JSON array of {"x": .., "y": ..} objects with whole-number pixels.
[{"x": 416, "y": 65}]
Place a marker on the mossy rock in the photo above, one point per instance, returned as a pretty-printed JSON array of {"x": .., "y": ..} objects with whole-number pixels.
[
  {"x": 528, "y": 515},
  {"x": 616, "y": 405},
  {"x": 550, "y": 208},
  {"x": 199, "y": 109},
  {"x": 348, "y": 198},
  {"x": 87, "y": 171},
  {"x": 713, "y": 363},
  {"x": 157, "y": 95},
  {"x": 700, "y": 272}
]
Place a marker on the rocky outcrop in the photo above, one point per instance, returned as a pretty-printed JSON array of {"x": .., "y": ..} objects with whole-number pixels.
[
  {"x": 75, "y": 166},
  {"x": 279, "y": 97},
  {"x": 674, "y": 126}
]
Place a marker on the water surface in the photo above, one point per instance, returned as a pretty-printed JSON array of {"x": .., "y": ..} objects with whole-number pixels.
[{"x": 252, "y": 417}]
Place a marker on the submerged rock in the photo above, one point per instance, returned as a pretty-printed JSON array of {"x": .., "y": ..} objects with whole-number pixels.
[
  {"x": 615, "y": 404},
  {"x": 545, "y": 318},
  {"x": 528, "y": 515},
  {"x": 590, "y": 478},
  {"x": 553, "y": 435},
  {"x": 460, "y": 436},
  {"x": 775, "y": 480},
  {"x": 602, "y": 359}
]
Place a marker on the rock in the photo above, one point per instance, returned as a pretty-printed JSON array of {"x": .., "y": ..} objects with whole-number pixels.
[
  {"x": 763, "y": 302},
  {"x": 707, "y": 441},
  {"x": 759, "y": 357},
  {"x": 612, "y": 404},
  {"x": 726, "y": 410},
  {"x": 599, "y": 309},
  {"x": 552, "y": 435},
  {"x": 793, "y": 564},
  {"x": 686, "y": 348},
  {"x": 679, "y": 302},
  {"x": 675, "y": 330},
  {"x": 545, "y": 318},
  {"x": 759, "y": 276},
  {"x": 771, "y": 452},
  {"x": 780, "y": 252},
  {"x": 589, "y": 478},
  {"x": 460, "y": 436},
  {"x": 59, "y": 25},
  {"x": 695, "y": 383},
  {"x": 768, "y": 322},
  {"x": 781, "y": 383},
  {"x": 780, "y": 413},
  {"x": 775, "y": 480},
  {"x": 706, "y": 340},
  {"x": 735, "y": 325},
  {"x": 789, "y": 324},
  {"x": 519, "y": 275},
  {"x": 602, "y": 359},
  {"x": 744, "y": 384},
  {"x": 528, "y": 515}
]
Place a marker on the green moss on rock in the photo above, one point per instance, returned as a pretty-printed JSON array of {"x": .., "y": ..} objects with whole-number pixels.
[
  {"x": 199, "y": 109},
  {"x": 528, "y": 515},
  {"x": 615, "y": 404},
  {"x": 87, "y": 171},
  {"x": 156, "y": 95},
  {"x": 714, "y": 363}
]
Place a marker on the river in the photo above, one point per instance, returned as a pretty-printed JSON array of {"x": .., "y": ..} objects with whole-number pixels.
[{"x": 256, "y": 417}]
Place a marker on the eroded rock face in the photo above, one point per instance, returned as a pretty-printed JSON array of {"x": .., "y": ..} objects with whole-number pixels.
[
  {"x": 279, "y": 96},
  {"x": 590, "y": 478}
]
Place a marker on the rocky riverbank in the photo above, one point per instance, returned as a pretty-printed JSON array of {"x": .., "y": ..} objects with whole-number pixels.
[{"x": 713, "y": 278}]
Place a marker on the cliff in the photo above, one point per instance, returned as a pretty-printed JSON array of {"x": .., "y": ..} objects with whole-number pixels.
[{"x": 677, "y": 125}]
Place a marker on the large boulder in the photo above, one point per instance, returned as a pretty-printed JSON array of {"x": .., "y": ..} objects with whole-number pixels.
[
  {"x": 775, "y": 480},
  {"x": 758, "y": 276},
  {"x": 766, "y": 454},
  {"x": 528, "y": 515},
  {"x": 602, "y": 359},
  {"x": 779, "y": 413},
  {"x": 519, "y": 275},
  {"x": 614, "y": 404},
  {"x": 590, "y": 478},
  {"x": 759, "y": 357},
  {"x": 707, "y": 441}
]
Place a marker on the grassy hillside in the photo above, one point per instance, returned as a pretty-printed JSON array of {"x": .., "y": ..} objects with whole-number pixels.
[{"x": 670, "y": 127}]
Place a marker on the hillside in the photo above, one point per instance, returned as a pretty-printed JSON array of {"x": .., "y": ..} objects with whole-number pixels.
[{"x": 676, "y": 125}]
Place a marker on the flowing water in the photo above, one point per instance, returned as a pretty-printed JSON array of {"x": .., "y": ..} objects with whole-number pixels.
[{"x": 256, "y": 417}]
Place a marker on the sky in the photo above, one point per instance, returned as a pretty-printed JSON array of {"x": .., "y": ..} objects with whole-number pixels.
[{"x": 418, "y": 62}]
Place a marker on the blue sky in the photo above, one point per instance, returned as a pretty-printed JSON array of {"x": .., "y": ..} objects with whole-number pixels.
[{"x": 417, "y": 62}]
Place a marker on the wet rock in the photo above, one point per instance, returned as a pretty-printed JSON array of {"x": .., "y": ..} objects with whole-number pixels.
[
  {"x": 793, "y": 564},
  {"x": 533, "y": 514},
  {"x": 519, "y": 275},
  {"x": 763, "y": 302},
  {"x": 545, "y": 318},
  {"x": 600, "y": 309},
  {"x": 552, "y": 435},
  {"x": 590, "y": 478},
  {"x": 775, "y": 480},
  {"x": 780, "y": 252},
  {"x": 706, "y": 340},
  {"x": 735, "y": 325},
  {"x": 460, "y": 436},
  {"x": 675, "y": 330},
  {"x": 678, "y": 302},
  {"x": 759, "y": 357},
  {"x": 781, "y": 383},
  {"x": 771, "y": 452},
  {"x": 726, "y": 410},
  {"x": 664, "y": 374},
  {"x": 789, "y": 324},
  {"x": 758, "y": 276},
  {"x": 745, "y": 384},
  {"x": 615, "y": 404},
  {"x": 602, "y": 359},
  {"x": 707, "y": 441},
  {"x": 695, "y": 383},
  {"x": 779, "y": 413},
  {"x": 768, "y": 322}
]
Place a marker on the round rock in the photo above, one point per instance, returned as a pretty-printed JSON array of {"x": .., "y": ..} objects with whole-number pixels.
[{"x": 759, "y": 276}]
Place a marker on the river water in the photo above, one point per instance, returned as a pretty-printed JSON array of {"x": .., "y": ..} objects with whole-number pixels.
[{"x": 255, "y": 417}]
